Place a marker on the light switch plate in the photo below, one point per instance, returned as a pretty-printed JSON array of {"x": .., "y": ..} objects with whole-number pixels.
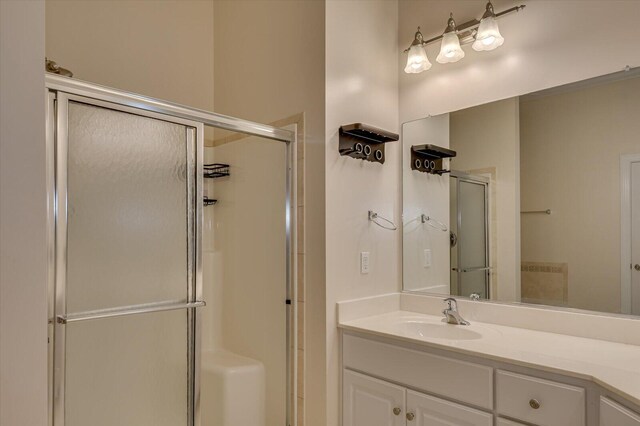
[
  {"x": 364, "y": 262},
  {"x": 426, "y": 258}
]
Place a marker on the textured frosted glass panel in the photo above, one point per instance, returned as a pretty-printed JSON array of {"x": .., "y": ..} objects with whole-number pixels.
[
  {"x": 473, "y": 282},
  {"x": 472, "y": 239},
  {"x": 127, "y": 371},
  {"x": 127, "y": 231}
]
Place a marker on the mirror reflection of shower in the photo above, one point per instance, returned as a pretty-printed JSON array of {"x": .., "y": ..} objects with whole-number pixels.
[{"x": 469, "y": 210}]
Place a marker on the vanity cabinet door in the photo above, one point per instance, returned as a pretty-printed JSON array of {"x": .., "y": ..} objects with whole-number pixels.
[
  {"x": 371, "y": 402},
  {"x": 426, "y": 410},
  {"x": 613, "y": 414}
]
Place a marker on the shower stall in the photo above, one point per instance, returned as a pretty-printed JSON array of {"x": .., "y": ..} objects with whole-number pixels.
[{"x": 165, "y": 279}]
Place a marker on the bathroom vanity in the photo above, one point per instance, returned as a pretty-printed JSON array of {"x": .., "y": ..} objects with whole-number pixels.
[{"x": 410, "y": 368}]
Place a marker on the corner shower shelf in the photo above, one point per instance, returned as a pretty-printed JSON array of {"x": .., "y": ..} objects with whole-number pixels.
[
  {"x": 358, "y": 140},
  {"x": 428, "y": 158},
  {"x": 215, "y": 170}
]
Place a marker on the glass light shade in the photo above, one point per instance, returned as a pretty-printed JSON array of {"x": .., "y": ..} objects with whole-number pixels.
[
  {"x": 488, "y": 37},
  {"x": 417, "y": 60},
  {"x": 450, "y": 51}
]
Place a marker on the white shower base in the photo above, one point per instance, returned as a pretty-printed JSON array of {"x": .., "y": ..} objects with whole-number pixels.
[{"x": 232, "y": 390}]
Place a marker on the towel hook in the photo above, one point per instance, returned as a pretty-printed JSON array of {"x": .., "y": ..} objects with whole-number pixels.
[{"x": 373, "y": 217}]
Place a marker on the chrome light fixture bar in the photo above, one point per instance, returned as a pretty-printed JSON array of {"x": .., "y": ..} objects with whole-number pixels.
[{"x": 483, "y": 33}]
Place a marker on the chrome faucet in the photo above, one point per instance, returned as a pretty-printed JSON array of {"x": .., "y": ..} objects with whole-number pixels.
[{"x": 451, "y": 314}]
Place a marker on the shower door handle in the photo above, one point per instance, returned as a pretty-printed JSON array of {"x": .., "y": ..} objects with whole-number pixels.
[
  {"x": 483, "y": 268},
  {"x": 636, "y": 267},
  {"x": 127, "y": 310}
]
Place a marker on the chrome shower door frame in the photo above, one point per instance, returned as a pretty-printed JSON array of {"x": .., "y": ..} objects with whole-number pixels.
[
  {"x": 60, "y": 91},
  {"x": 478, "y": 180},
  {"x": 59, "y": 317}
]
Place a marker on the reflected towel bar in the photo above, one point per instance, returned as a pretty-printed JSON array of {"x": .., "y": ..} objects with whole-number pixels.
[
  {"x": 428, "y": 220},
  {"x": 547, "y": 211},
  {"x": 127, "y": 310}
]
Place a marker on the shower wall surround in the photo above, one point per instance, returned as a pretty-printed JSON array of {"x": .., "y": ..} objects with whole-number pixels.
[{"x": 244, "y": 262}]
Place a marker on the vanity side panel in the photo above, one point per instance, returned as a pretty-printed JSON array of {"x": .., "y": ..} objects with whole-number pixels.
[{"x": 458, "y": 380}]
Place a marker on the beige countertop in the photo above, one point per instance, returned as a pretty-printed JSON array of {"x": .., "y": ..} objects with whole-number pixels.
[{"x": 614, "y": 366}]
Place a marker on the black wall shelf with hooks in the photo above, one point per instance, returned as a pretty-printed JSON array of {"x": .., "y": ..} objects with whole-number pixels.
[
  {"x": 365, "y": 142},
  {"x": 215, "y": 170},
  {"x": 428, "y": 158}
]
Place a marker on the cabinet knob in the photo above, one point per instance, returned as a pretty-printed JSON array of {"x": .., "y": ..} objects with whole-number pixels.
[
  {"x": 410, "y": 416},
  {"x": 534, "y": 403},
  {"x": 397, "y": 411}
]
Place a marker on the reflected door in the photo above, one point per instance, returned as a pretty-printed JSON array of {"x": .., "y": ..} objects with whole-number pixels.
[
  {"x": 125, "y": 244},
  {"x": 635, "y": 237},
  {"x": 469, "y": 236}
]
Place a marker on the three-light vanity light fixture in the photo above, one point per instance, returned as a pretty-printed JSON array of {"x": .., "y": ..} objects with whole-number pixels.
[{"x": 484, "y": 35}]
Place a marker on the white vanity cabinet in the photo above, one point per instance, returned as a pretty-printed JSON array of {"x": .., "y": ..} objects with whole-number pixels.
[
  {"x": 388, "y": 383},
  {"x": 368, "y": 401}
]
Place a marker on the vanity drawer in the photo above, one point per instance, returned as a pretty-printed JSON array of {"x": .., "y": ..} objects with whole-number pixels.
[
  {"x": 538, "y": 401},
  {"x": 505, "y": 422},
  {"x": 458, "y": 380}
]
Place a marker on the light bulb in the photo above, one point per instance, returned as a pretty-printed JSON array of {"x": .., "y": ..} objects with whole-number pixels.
[
  {"x": 417, "y": 60},
  {"x": 450, "y": 51},
  {"x": 488, "y": 36}
]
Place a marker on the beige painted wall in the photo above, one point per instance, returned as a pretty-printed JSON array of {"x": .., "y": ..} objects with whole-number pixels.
[
  {"x": 361, "y": 86},
  {"x": 162, "y": 49},
  {"x": 23, "y": 216},
  {"x": 570, "y": 163},
  {"x": 488, "y": 136},
  {"x": 269, "y": 64},
  {"x": 551, "y": 42}
]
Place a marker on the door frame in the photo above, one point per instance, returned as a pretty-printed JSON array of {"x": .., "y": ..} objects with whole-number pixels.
[
  {"x": 625, "y": 230},
  {"x": 478, "y": 180}
]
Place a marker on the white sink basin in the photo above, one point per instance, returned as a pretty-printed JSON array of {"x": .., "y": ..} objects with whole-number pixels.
[
  {"x": 427, "y": 328},
  {"x": 440, "y": 331}
]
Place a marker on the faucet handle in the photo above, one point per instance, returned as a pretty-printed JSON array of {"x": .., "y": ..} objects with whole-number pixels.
[{"x": 451, "y": 303}]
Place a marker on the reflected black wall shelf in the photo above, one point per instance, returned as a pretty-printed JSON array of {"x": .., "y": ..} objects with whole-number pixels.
[
  {"x": 428, "y": 158},
  {"x": 365, "y": 142},
  {"x": 209, "y": 201},
  {"x": 215, "y": 170}
]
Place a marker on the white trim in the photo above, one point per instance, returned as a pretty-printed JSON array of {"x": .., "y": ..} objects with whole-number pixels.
[{"x": 625, "y": 230}]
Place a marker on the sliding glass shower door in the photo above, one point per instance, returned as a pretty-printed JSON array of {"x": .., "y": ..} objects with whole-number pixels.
[
  {"x": 127, "y": 266},
  {"x": 470, "y": 268}
]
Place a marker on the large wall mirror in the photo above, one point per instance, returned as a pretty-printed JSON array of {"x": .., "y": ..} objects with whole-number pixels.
[{"x": 540, "y": 205}]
